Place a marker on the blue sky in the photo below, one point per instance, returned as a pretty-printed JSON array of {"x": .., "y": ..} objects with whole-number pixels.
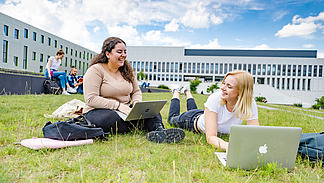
[{"x": 209, "y": 24}]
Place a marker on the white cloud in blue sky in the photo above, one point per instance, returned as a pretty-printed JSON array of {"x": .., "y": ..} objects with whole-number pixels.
[{"x": 254, "y": 24}]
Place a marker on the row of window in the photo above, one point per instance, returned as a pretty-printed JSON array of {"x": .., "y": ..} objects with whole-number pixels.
[
  {"x": 76, "y": 63},
  {"x": 72, "y": 52},
  {"x": 223, "y": 68}
]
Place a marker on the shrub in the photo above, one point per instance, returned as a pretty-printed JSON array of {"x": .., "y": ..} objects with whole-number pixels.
[
  {"x": 163, "y": 87},
  {"x": 194, "y": 84},
  {"x": 316, "y": 106},
  {"x": 319, "y": 103},
  {"x": 298, "y": 105},
  {"x": 260, "y": 99},
  {"x": 212, "y": 87}
]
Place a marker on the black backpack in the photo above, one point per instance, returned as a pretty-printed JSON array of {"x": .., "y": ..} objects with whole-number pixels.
[
  {"x": 52, "y": 87},
  {"x": 73, "y": 129},
  {"x": 312, "y": 146}
]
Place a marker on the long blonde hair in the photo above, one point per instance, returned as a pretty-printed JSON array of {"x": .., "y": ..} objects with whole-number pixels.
[{"x": 243, "y": 104}]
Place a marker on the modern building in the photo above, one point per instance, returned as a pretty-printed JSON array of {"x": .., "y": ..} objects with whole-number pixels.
[
  {"x": 288, "y": 73},
  {"x": 27, "y": 48},
  {"x": 295, "y": 73}
]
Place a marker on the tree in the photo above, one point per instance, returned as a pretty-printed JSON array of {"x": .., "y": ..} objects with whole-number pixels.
[
  {"x": 194, "y": 84},
  {"x": 212, "y": 88},
  {"x": 141, "y": 76},
  {"x": 319, "y": 103}
]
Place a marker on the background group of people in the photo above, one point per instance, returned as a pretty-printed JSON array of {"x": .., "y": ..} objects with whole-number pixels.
[
  {"x": 110, "y": 85},
  {"x": 69, "y": 84}
]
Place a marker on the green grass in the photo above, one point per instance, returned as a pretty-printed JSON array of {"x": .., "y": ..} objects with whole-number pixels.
[{"x": 130, "y": 157}]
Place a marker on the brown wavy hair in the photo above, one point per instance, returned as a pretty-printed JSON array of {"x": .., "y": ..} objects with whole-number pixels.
[{"x": 108, "y": 45}]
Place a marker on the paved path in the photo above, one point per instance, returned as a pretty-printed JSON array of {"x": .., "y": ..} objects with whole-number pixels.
[{"x": 272, "y": 108}]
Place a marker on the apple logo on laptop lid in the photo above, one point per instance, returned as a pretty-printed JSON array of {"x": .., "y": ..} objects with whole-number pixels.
[{"x": 263, "y": 149}]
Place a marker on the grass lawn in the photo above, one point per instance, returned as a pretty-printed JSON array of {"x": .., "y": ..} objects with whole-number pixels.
[{"x": 130, "y": 157}]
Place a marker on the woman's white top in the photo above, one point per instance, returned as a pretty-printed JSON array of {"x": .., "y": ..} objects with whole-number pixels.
[
  {"x": 55, "y": 65},
  {"x": 224, "y": 118}
]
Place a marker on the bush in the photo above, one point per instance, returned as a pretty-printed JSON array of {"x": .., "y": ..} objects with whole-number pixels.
[
  {"x": 163, "y": 87},
  {"x": 319, "y": 103},
  {"x": 194, "y": 84},
  {"x": 212, "y": 87},
  {"x": 316, "y": 106},
  {"x": 260, "y": 99},
  {"x": 298, "y": 105}
]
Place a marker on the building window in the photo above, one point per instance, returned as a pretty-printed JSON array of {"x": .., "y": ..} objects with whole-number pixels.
[
  {"x": 211, "y": 68},
  {"x": 293, "y": 84},
  {"x": 76, "y": 53},
  {"x": 263, "y": 69},
  {"x": 315, "y": 71},
  {"x": 26, "y": 33},
  {"x": 259, "y": 69},
  {"x": 16, "y": 34},
  {"x": 288, "y": 80},
  {"x": 34, "y": 36},
  {"x": 198, "y": 67},
  {"x": 309, "y": 85},
  {"x": 185, "y": 67},
  {"x": 193, "y": 67},
  {"x": 71, "y": 52},
  {"x": 220, "y": 68},
  {"x": 207, "y": 67},
  {"x": 294, "y": 70},
  {"x": 42, "y": 39},
  {"x": 298, "y": 84},
  {"x": 87, "y": 56},
  {"x": 299, "y": 70},
  {"x": 66, "y": 50},
  {"x": 235, "y": 66},
  {"x": 80, "y": 54},
  {"x": 278, "y": 83},
  {"x": 284, "y": 70},
  {"x": 189, "y": 67},
  {"x": 61, "y": 47},
  {"x": 146, "y": 66},
  {"x": 41, "y": 57},
  {"x": 274, "y": 69},
  {"x": 33, "y": 56},
  {"x": 202, "y": 67},
  {"x": 320, "y": 71},
  {"x": 309, "y": 70},
  {"x": 49, "y": 41},
  {"x": 273, "y": 82},
  {"x": 15, "y": 61},
  {"x": 151, "y": 66},
  {"x": 279, "y": 70},
  {"x": 269, "y": 70},
  {"x": 79, "y": 65},
  {"x": 41, "y": 68},
  {"x": 142, "y": 66},
  {"x": 71, "y": 64},
  {"x": 216, "y": 68},
  {"x": 75, "y": 63},
  {"x": 176, "y": 67},
  {"x": 303, "y": 86},
  {"x": 167, "y": 67},
  {"x": 304, "y": 70},
  {"x": 289, "y": 70},
  {"x": 239, "y": 67},
  {"x": 5, "y": 51},
  {"x": 55, "y": 43},
  {"x": 254, "y": 69},
  {"x": 25, "y": 57},
  {"x": 283, "y": 84},
  {"x": 6, "y": 30},
  {"x": 66, "y": 62}
]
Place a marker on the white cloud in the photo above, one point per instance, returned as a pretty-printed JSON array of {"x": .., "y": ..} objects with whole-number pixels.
[
  {"x": 173, "y": 26},
  {"x": 262, "y": 47},
  {"x": 196, "y": 18},
  {"x": 96, "y": 29},
  {"x": 308, "y": 46},
  {"x": 211, "y": 45},
  {"x": 320, "y": 54},
  {"x": 301, "y": 26},
  {"x": 159, "y": 38},
  {"x": 216, "y": 20},
  {"x": 128, "y": 33}
]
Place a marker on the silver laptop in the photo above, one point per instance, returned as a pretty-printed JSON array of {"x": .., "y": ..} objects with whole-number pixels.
[
  {"x": 256, "y": 146},
  {"x": 143, "y": 110}
]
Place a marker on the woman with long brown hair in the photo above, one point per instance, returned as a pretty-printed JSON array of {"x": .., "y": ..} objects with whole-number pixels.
[{"x": 110, "y": 85}]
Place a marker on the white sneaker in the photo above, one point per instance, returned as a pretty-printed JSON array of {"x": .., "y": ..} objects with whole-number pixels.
[
  {"x": 71, "y": 90},
  {"x": 174, "y": 87},
  {"x": 65, "y": 93},
  {"x": 185, "y": 89}
]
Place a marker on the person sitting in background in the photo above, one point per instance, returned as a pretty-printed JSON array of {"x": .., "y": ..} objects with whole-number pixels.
[
  {"x": 75, "y": 81},
  {"x": 231, "y": 105},
  {"x": 110, "y": 85},
  {"x": 52, "y": 70},
  {"x": 145, "y": 84}
]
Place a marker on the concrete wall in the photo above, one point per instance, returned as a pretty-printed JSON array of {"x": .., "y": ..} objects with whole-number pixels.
[{"x": 20, "y": 84}]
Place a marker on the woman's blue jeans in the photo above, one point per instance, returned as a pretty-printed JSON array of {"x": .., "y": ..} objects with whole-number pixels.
[
  {"x": 186, "y": 119},
  {"x": 59, "y": 75}
]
